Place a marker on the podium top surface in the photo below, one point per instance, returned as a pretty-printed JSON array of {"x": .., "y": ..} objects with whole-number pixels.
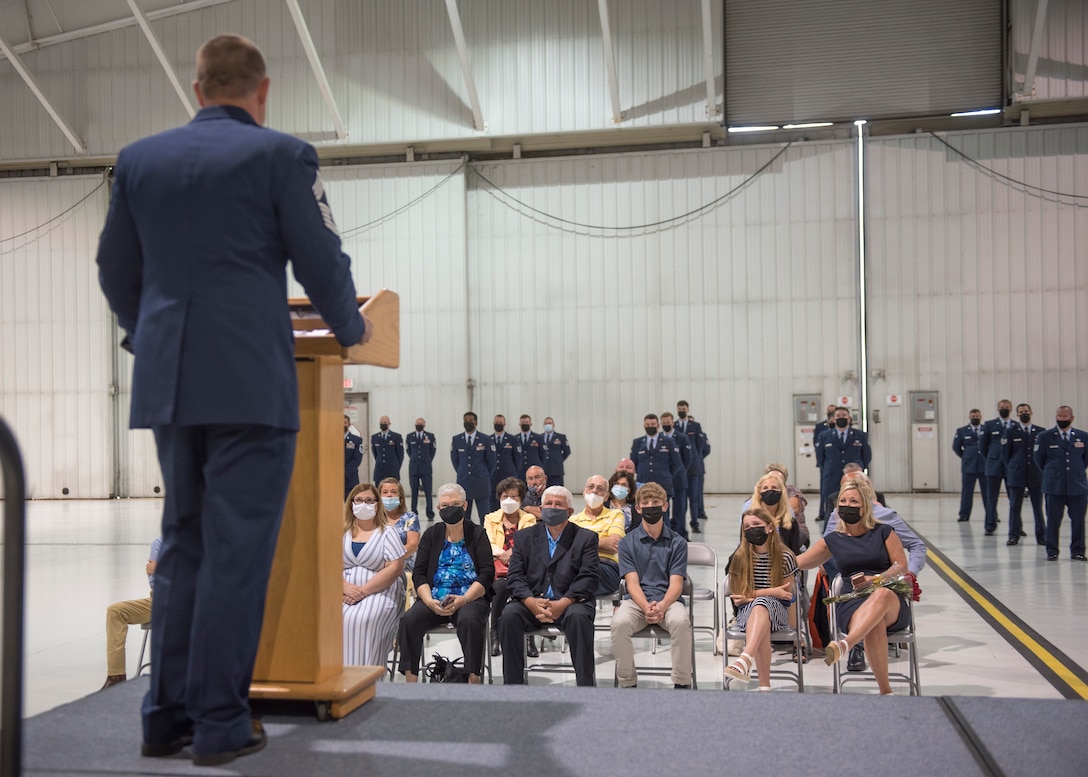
[{"x": 313, "y": 337}]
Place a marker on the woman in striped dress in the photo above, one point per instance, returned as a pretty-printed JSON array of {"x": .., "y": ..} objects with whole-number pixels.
[
  {"x": 373, "y": 579},
  {"x": 761, "y": 587}
]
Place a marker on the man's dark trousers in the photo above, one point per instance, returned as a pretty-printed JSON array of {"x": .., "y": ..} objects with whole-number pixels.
[{"x": 576, "y": 623}]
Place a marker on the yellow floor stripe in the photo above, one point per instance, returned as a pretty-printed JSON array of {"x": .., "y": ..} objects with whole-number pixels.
[{"x": 1068, "y": 677}]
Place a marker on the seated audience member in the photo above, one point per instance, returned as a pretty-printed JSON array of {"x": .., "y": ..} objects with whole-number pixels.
[
  {"x": 607, "y": 524},
  {"x": 453, "y": 575},
  {"x": 552, "y": 577},
  {"x": 853, "y": 468},
  {"x": 770, "y": 494},
  {"x": 863, "y": 548},
  {"x": 501, "y": 527},
  {"x": 121, "y": 615},
  {"x": 912, "y": 545},
  {"x": 797, "y": 499},
  {"x": 373, "y": 579},
  {"x": 536, "y": 481},
  {"x": 403, "y": 521},
  {"x": 621, "y": 496},
  {"x": 628, "y": 466},
  {"x": 761, "y": 587},
  {"x": 654, "y": 563}
]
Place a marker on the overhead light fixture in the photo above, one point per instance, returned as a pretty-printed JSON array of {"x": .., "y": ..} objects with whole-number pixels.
[
  {"x": 769, "y": 128},
  {"x": 983, "y": 112},
  {"x": 809, "y": 125}
]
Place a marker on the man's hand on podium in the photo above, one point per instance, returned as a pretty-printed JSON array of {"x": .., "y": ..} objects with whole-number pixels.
[{"x": 368, "y": 331}]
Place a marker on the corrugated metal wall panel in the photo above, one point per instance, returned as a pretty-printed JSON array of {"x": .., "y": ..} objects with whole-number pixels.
[
  {"x": 797, "y": 61},
  {"x": 55, "y": 376},
  {"x": 979, "y": 285},
  {"x": 730, "y": 310},
  {"x": 1062, "y": 69}
]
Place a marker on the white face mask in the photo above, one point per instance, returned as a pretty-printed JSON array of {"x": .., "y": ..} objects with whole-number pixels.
[
  {"x": 593, "y": 501},
  {"x": 363, "y": 511},
  {"x": 510, "y": 506}
]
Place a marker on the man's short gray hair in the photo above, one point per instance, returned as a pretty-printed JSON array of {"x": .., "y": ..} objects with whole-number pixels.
[
  {"x": 562, "y": 491},
  {"x": 452, "y": 488}
]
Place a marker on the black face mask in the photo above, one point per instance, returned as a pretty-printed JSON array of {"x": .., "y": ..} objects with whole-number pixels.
[
  {"x": 1065, "y": 424},
  {"x": 526, "y": 427},
  {"x": 499, "y": 427},
  {"x": 756, "y": 535},
  {"x": 470, "y": 427},
  {"x": 650, "y": 430},
  {"x": 553, "y": 516},
  {"x": 682, "y": 413},
  {"x": 384, "y": 427},
  {"x": 1025, "y": 417},
  {"x": 842, "y": 423},
  {"x": 451, "y": 514},
  {"x": 976, "y": 421},
  {"x": 1004, "y": 412},
  {"x": 770, "y": 498},
  {"x": 849, "y": 514},
  {"x": 419, "y": 427},
  {"x": 666, "y": 429},
  {"x": 652, "y": 513}
]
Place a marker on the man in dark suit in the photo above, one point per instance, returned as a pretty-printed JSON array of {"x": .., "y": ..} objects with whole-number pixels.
[
  {"x": 532, "y": 446},
  {"x": 556, "y": 451},
  {"x": 353, "y": 457},
  {"x": 837, "y": 447},
  {"x": 552, "y": 579},
  {"x": 657, "y": 458},
  {"x": 993, "y": 432},
  {"x": 388, "y": 449},
  {"x": 192, "y": 259},
  {"x": 677, "y": 521},
  {"x": 1062, "y": 455},
  {"x": 700, "y": 449},
  {"x": 966, "y": 445},
  {"x": 473, "y": 458},
  {"x": 1018, "y": 456},
  {"x": 507, "y": 458},
  {"x": 421, "y": 449}
]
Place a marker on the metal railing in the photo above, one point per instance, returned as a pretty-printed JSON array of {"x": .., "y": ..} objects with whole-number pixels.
[{"x": 11, "y": 705}]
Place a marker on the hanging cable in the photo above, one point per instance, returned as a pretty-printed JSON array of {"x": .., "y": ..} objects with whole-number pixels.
[
  {"x": 60, "y": 215},
  {"x": 405, "y": 206}
]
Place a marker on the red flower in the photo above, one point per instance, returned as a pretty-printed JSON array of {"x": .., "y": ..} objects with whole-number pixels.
[{"x": 916, "y": 590}]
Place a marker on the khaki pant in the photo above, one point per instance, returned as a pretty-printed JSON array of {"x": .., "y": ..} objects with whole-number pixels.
[
  {"x": 119, "y": 616},
  {"x": 628, "y": 619}
]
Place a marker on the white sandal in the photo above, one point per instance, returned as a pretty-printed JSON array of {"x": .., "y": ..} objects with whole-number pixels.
[{"x": 740, "y": 669}]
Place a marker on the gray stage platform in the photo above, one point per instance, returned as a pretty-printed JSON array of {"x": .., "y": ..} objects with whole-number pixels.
[{"x": 462, "y": 731}]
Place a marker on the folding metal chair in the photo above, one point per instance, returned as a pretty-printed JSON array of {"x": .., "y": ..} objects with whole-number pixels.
[
  {"x": 702, "y": 555},
  {"x": 905, "y": 636},
  {"x": 796, "y": 639},
  {"x": 140, "y": 665}
]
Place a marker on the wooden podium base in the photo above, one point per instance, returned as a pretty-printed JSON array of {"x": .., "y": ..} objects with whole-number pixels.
[{"x": 335, "y": 697}]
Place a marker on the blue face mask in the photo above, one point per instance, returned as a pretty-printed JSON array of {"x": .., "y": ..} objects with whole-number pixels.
[
  {"x": 620, "y": 492},
  {"x": 390, "y": 502}
]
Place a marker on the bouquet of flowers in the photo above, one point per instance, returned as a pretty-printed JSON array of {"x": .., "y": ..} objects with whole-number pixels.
[{"x": 901, "y": 583}]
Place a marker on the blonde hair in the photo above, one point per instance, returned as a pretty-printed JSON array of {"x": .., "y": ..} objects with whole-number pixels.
[
  {"x": 780, "y": 513},
  {"x": 861, "y": 485},
  {"x": 380, "y": 519},
  {"x": 742, "y": 565}
]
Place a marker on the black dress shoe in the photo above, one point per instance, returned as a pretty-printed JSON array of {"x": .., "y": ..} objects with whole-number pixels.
[
  {"x": 1023, "y": 534},
  {"x": 695, "y": 529},
  {"x": 1040, "y": 540},
  {"x": 495, "y": 649},
  {"x": 1013, "y": 541},
  {"x": 1078, "y": 557},
  {"x": 148, "y": 750},
  {"x": 257, "y": 741},
  {"x": 856, "y": 661},
  {"x": 962, "y": 519},
  {"x": 681, "y": 687},
  {"x": 1052, "y": 558},
  {"x": 530, "y": 648},
  {"x": 990, "y": 532}
]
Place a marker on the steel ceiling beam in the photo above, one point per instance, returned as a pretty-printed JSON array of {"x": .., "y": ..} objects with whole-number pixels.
[
  {"x": 466, "y": 67},
  {"x": 28, "y": 77},
  {"x": 1036, "y": 42},
  {"x": 610, "y": 62},
  {"x": 712, "y": 110},
  {"x": 317, "y": 67},
  {"x": 156, "y": 46}
]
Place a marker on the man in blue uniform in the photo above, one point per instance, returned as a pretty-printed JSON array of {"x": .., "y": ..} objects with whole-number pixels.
[
  {"x": 1062, "y": 455},
  {"x": 507, "y": 458},
  {"x": 353, "y": 457},
  {"x": 421, "y": 449},
  {"x": 192, "y": 259},
  {"x": 818, "y": 430},
  {"x": 556, "y": 451},
  {"x": 677, "y": 521},
  {"x": 699, "y": 447},
  {"x": 1018, "y": 456},
  {"x": 532, "y": 446},
  {"x": 836, "y": 448},
  {"x": 388, "y": 449},
  {"x": 657, "y": 458},
  {"x": 473, "y": 458},
  {"x": 993, "y": 431},
  {"x": 966, "y": 445}
]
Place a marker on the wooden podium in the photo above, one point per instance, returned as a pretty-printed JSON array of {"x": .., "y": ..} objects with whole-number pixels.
[{"x": 301, "y": 654}]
